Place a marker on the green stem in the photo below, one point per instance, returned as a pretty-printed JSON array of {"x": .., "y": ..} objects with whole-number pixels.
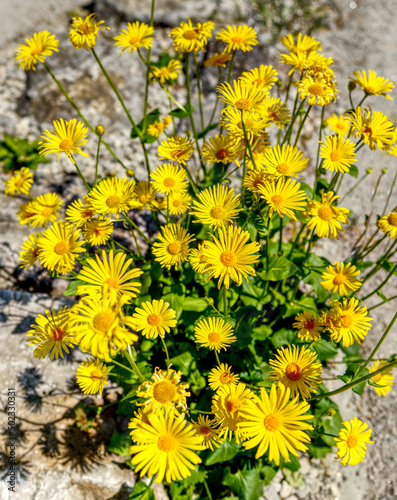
[
  {"x": 382, "y": 173},
  {"x": 280, "y": 243},
  {"x": 376, "y": 348},
  {"x": 200, "y": 411},
  {"x": 390, "y": 193},
  {"x": 301, "y": 125},
  {"x": 216, "y": 97},
  {"x": 134, "y": 366},
  {"x": 354, "y": 187},
  {"x": 291, "y": 125},
  {"x": 225, "y": 302},
  {"x": 381, "y": 303},
  {"x": 80, "y": 174},
  {"x": 320, "y": 135},
  {"x": 382, "y": 284},
  {"x": 148, "y": 70},
  {"x": 192, "y": 183},
  {"x": 166, "y": 352},
  {"x": 229, "y": 73},
  {"x": 97, "y": 159},
  {"x": 199, "y": 90},
  {"x": 217, "y": 357},
  {"x": 137, "y": 228},
  {"x": 207, "y": 490},
  {"x": 123, "y": 366}
]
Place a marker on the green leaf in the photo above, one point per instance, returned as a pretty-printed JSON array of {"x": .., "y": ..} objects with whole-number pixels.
[
  {"x": 353, "y": 171},
  {"x": 247, "y": 484},
  {"x": 383, "y": 297},
  {"x": 71, "y": 290},
  {"x": 355, "y": 371},
  {"x": 283, "y": 337},
  {"x": 194, "y": 304},
  {"x": 294, "y": 307},
  {"x": 268, "y": 472},
  {"x": 120, "y": 443},
  {"x": 307, "y": 189},
  {"x": 183, "y": 362},
  {"x": 179, "y": 113},
  {"x": 142, "y": 491},
  {"x": 152, "y": 117},
  {"x": 204, "y": 132},
  {"x": 262, "y": 332},
  {"x": 324, "y": 349},
  {"x": 227, "y": 451},
  {"x": 175, "y": 295},
  {"x": 280, "y": 269},
  {"x": 293, "y": 465}
]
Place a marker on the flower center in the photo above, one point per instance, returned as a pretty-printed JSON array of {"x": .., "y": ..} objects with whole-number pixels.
[
  {"x": 87, "y": 213},
  {"x": 340, "y": 126},
  {"x": 85, "y": 29},
  {"x": 103, "y": 321},
  {"x": 169, "y": 182},
  {"x": 218, "y": 212},
  {"x": 113, "y": 201},
  {"x": 340, "y": 279},
  {"x": 174, "y": 248},
  {"x": 166, "y": 443},
  {"x": 35, "y": 51},
  {"x": 225, "y": 378},
  {"x": 346, "y": 321},
  {"x": 316, "y": 89},
  {"x": 242, "y": 104},
  {"x": 190, "y": 35},
  {"x": 176, "y": 203},
  {"x": 237, "y": 39},
  {"x": 61, "y": 248},
  {"x": 19, "y": 182},
  {"x": 164, "y": 392},
  {"x": 46, "y": 212},
  {"x": 258, "y": 81},
  {"x": 228, "y": 259},
  {"x": 214, "y": 337},
  {"x": 272, "y": 423},
  {"x": 351, "y": 441},
  {"x": 293, "y": 371},
  {"x": 377, "y": 378},
  {"x": 205, "y": 431},
  {"x": 222, "y": 154},
  {"x": 134, "y": 39},
  {"x": 233, "y": 405},
  {"x": 96, "y": 374},
  {"x": 65, "y": 145},
  {"x": 325, "y": 213},
  {"x": 144, "y": 198},
  {"x": 277, "y": 200},
  {"x": 392, "y": 219},
  {"x": 308, "y": 324},
  {"x": 283, "y": 168},
  {"x": 178, "y": 154},
  {"x": 370, "y": 90},
  {"x": 335, "y": 155},
  {"x": 154, "y": 319},
  {"x": 112, "y": 283},
  {"x": 273, "y": 115},
  {"x": 366, "y": 131},
  {"x": 58, "y": 334}
]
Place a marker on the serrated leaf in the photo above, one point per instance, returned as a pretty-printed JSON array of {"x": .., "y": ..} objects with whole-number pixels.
[{"x": 227, "y": 451}]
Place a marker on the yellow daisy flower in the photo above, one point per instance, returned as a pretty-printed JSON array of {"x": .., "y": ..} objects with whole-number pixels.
[
  {"x": 25, "y": 213},
  {"x": 136, "y": 35},
  {"x": 214, "y": 333},
  {"x": 97, "y": 231},
  {"x": 67, "y": 138},
  {"x": 164, "y": 391},
  {"x": 80, "y": 417},
  {"x": 140, "y": 417},
  {"x": 172, "y": 249},
  {"x": 112, "y": 271},
  {"x": 385, "y": 379},
  {"x": 276, "y": 111},
  {"x": 263, "y": 77},
  {"x": 80, "y": 212},
  {"x": 304, "y": 43},
  {"x": 157, "y": 128},
  {"x": 166, "y": 73},
  {"x": 179, "y": 203},
  {"x": 216, "y": 206},
  {"x": 167, "y": 448},
  {"x": 238, "y": 38},
  {"x": 308, "y": 325},
  {"x": 373, "y": 127},
  {"x": 325, "y": 218},
  {"x": 352, "y": 441},
  {"x": 230, "y": 257},
  {"x": 191, "y": 38},
  {"x": 241, "y": 96},
  {"x": 44, "y": 210},
  {"x": 219, "y": 59},
  {"x": 276, "y": 424},
  {"x": 255, "y": 123},
  {"x": 283, "y": 197},
  {"x": 20, "y": 182},
  {"x": 297, "y": 61},
  {"x": 286, "y": 161},
  {"x": 82, "y": 34},
  {"x": 227, "y": 406},
  {"x": 30, "y": 251},
  {"x": 178, "y": 149},
  {"x": 169, "y": 179},
  {"x": 338, "y": 154},
  {"x": 220, "y": 149},
  {"x": 154, "y": 319},
  {"x": 91, "y": 376},
  {"x": 373, "y": 84},
  {"x": 112, "y": 196},
  {"x": 318, "y": 91},
  {"x": 341, "y": 278},
  {"x": 255, "y": 178},
  {"x": 296, "y": 369},
  {"x": 37, "y": 48},
  {"x": 222, "y": 376},
  {"x": 197, "y": 259},
  {"x": 53, "y": 334},
  {"x": 353, "y": 322},
  {"x": 207, "y": 429},
  {"x": 339, "y": 124},
  {"x": 388, "y": 224},
  {"x": 143, "y": 196},
  {"x": 58, "y": 247}
]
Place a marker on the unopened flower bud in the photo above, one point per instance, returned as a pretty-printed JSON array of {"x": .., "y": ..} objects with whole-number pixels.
[
  {"x": 279, "y": 83},
  {"x": 368, "y": 171},
  {"x": 384, "y": 171},
  {"x": 331, "y": 412},
  {"x": 209, "y": 300},
  {"x": 130, "y": 172},
  {"x": 351, "y": 86},
  {"x": 99, "y": 130}
]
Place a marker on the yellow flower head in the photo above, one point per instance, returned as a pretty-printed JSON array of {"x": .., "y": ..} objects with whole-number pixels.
[
  {"x": 373, "y": 127},
  {"x": 79, "y": 212},
  {"x": 97, "y": 231},
  {"x": 338, "y": 154},
  {"x": 220, "y": 149},
  {"x": 68, "y": 137},
  {"x": 218, "y": 60},
  {"x": 214, "y": 333},
  {"x": 283, "y": 197},
  {"x": 136, "y": 35},
  {"x": 286, "y": 161},
  {"x": 164, "y": 390},
  {"x": 82, "y": 34},
  {"x": 91, "y": 376},
  {"x": 255, "y": 178},
  {"x": 112, "y": 196},
  {"x": 169, "y": 179},
  {"x": 254, "y": 122},
  {"x": 167, "y": 448},
  {"x": 339, "y": 124},
  {"x": 82, "y": 422},
  {"x": 191, "y": 38},
  {"x": 198, "y": 260},
  {"x": 341, "y": 278},
  {"x": 216, "y": 206},
  {"x": 113, "y": 271},
  {"x": 263, "y": 77},
  {"x": 178, "y": 149},
  {"x": 30, "y": 251},
  {"x": 58, "y": 247},
  {"x": 238, "y": 38},
  {"x": 143, "y": 196},
  {"x": 384, "y": 379},
  {"x": 20, "y": 182},
  {"x": 154, "y": 319},
  {"x": 372, "y": 84},
  {"x": 241, "y": 96},
  {"x": 229, "y": 256},
  {"x": 318, "y": 91},
  {"x": 43, "y": 210},
  {"x": 297, "y": 369},
  {"x": 141, "y": 416},
  {"x": 275, "y": 111},
  {"x": 324, "y": 217},
  {"x": 388, "y": 224},
  {"x": 179, "y": 203},
  {"x": 276, "y": 424},
  {"x": 37, "y": 48},
  {"x": 53, "y": 334},
  {"x": 308, "y": 325},
  {"x": 352, "y": 322},
  {"x": 155, "y": 129},
  {"x": 208, "y": 430},
  {"x": 222, "y": 376},
  {"x": 172, "y": 247},
  {"x": 167, "y": 73},
  {"x": 352, "y": 441},
  {"x": 304, "y": 44}
]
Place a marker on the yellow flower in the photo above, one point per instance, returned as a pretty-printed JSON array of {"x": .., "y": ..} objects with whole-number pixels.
[
  {"x": 338, "y": 154},
  {"x": 82, "y": 34},
  {"x": 255, "y": 178},
  {"x": 37, "y": 48},
  {"x": 167, "y": 448},
  {"x": 80, "y": 417},
  {"x": 91, "y": 376},
  {"x": 216, "y": 206},
  {"x": 166, "y": 73},
  {"x": 214, "y": 333},
  {"x": 222, "y": 376},
  {"x": 296, "y": 369},
  {"x": 53, "y": 334},
  {"x": 325, "y": 218},
  {"x": 20, "y": 182},
  {"x": 352, "y": 322},
  {"x": 155, "y": 129},
  {"x": 172, "y": 249},
  {"x": 283, "y": 197},
  {"x": 143, "y": 196},
  {"x": 341, "y": 279},
  {"x": 264, "y": 77},
  {"x": 309, "y": 327},
  {"x": 373, "y": 127},
  {"x": 220, "y": 149},
  {"x": 164, "y": 391},
  {"x": 178, "y": 149},
  {"x": 191, "y": 38},
  {"x": 254, "y": 122},
  {"x": 318, "y": 90},
  {"x": 385, "y": 379},
  {"x": 80, "y": 212},
  {"x": 227, "y": 407},
  {"x": 112, "y": 196},
  {"x": 241, "y": 96},
  {"x": 276, "y": 111},
  {"x": 43, "y": 210},
  {"x": 276, "y": 424},
  {"x": 154, "y": 319},
  {"x": 99, "y": 325},
  {"x": 373, "y": 84},
  {"x": 286, "y": 161},
  {"x": 169, "y": 179},
  {"x": 304, "y": 44},
  {"x": 339, "y": 124},
  {"x": 297, "y": 61},
  {"x": 179, "y": 203},
  {"x": 352, "y": 441},
  {"x": 238, "y": 38},
  {"x": 136, "y": 35},
  {"x": 58, "y": 247},
  {"x": 30, "y": 251},
  {"x": 25, "y": 212},
  {"x": 97, "y": 231},
  {"x": 198, "y": 260},
  {"x": 207, "y": 429},
  {"x": 388, "y": 224},
  {"x": 111, "y": 271},
  {"x": 140, "y": 417},
  {"x": 219, "y": 59},
  {"x": 229, "y": 257},
  {"x": 67, "y": 138}
]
